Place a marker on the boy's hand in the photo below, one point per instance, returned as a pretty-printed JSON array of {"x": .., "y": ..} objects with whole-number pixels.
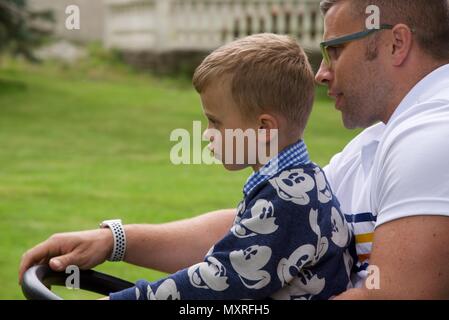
[{"x": 85, "y": 249}]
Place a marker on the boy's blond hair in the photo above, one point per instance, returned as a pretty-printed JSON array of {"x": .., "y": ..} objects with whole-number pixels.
[{"x": 267, "y": 72}]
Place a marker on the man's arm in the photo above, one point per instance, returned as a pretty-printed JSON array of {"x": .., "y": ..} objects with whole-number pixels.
[
  {"x": 412, "y": 255},
  {"x": 173, "y": 246},
  {"x": 166, "y": 247}
]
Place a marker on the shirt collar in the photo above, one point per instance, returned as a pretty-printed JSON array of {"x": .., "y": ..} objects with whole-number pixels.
[
  {"x": 370, "y": 142},
  {"x": 294, "y": 155},
  {"x": 423, "y": 90}
]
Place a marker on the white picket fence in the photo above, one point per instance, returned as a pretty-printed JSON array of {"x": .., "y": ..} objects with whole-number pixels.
[{"x": 167, "y": 25}]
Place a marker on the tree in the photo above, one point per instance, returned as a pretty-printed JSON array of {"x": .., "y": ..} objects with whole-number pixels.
[{"x": 20, "y": 28}]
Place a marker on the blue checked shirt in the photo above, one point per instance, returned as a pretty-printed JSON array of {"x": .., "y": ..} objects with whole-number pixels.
[
  {"x": 289, "y": 240},
  {"x": 295, "y": 154}
]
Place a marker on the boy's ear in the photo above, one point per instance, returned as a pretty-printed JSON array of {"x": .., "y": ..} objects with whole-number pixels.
[
  {"x": 270, "y": 125},
  {"x": 268, "y": 122}
]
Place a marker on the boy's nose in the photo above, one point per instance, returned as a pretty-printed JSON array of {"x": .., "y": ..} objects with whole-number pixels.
[{"x": 324, "y": 74}]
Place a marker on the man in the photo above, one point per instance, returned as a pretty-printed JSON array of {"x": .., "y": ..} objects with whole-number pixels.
[{"x": 392, "y": 180}]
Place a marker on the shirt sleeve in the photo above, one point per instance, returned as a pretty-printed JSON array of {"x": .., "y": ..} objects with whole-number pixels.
[
  {"x": 414, "y": 172},
  {"x": 252, "y": 260}
]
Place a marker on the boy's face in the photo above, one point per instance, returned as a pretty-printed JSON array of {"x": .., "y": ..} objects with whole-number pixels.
[{"x": 222, "y": 113}]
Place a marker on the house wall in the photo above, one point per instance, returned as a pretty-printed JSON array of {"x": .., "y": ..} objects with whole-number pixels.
[{"x": 186, "y": 25}]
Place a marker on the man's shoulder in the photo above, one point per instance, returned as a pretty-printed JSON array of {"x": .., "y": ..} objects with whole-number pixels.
[
  {"x": 424, "y": 111},
  {"x": 425, "y": 126},
  {"x": 409, "y": 172}
]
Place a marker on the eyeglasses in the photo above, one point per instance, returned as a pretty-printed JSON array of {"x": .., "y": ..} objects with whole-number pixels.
[{"x": 345, "y": 39}]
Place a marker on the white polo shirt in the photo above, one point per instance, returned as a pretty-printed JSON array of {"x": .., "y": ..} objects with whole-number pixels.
[{"x": 397, "y": 170}]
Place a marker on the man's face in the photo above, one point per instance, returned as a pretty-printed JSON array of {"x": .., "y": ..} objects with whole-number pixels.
[
  {"x": 356, "y": 77},
  {"x": 223, "y": 113}
]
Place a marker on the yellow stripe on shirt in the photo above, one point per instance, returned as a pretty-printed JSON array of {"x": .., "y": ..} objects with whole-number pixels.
[{"x": 363, "y": 238}]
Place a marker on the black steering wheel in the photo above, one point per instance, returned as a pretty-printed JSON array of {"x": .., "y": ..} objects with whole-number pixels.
[{"x": 37, "y": 282}]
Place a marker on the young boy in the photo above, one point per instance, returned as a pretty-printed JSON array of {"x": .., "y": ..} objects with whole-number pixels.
[{"x": 289, "y": 239}]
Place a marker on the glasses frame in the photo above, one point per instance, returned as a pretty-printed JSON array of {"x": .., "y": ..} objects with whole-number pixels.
[{"x": 348, "y": 38}]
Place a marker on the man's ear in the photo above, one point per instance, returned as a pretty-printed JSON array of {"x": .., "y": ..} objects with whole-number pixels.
[
  {"x": 402, "y": 44},
  {"x": 270, "y": 125}
]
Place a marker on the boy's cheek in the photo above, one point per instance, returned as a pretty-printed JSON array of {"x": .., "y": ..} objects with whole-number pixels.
[
  {"x": 216, "y": 153},
  {"x": 229, "y": 151},
  {"x": 216, "y": 149},
  {"x": 214, "y": 138}
]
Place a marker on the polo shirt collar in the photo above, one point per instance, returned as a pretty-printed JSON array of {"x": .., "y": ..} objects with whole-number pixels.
[{"x": 423, "y": 90}]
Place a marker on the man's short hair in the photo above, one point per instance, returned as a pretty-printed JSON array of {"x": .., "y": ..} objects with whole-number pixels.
[
  {"x": 266, "y": 72},
  {"x": 429, "y": 19}
]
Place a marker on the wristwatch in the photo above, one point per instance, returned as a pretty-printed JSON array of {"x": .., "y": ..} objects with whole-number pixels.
[{"x": 118, "y": 233}]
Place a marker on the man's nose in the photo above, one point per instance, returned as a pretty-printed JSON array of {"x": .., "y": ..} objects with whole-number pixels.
[{"x": 324, "y": 74}]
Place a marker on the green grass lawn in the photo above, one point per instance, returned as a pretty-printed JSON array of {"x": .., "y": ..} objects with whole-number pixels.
[{"x": 81, "y": 146}]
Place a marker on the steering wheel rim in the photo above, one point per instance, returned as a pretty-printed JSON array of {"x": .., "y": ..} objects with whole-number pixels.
[{"x": 37, "y": 282}]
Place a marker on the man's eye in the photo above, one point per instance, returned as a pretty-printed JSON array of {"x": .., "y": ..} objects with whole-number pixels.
[{"x": 334, "y": 52}]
